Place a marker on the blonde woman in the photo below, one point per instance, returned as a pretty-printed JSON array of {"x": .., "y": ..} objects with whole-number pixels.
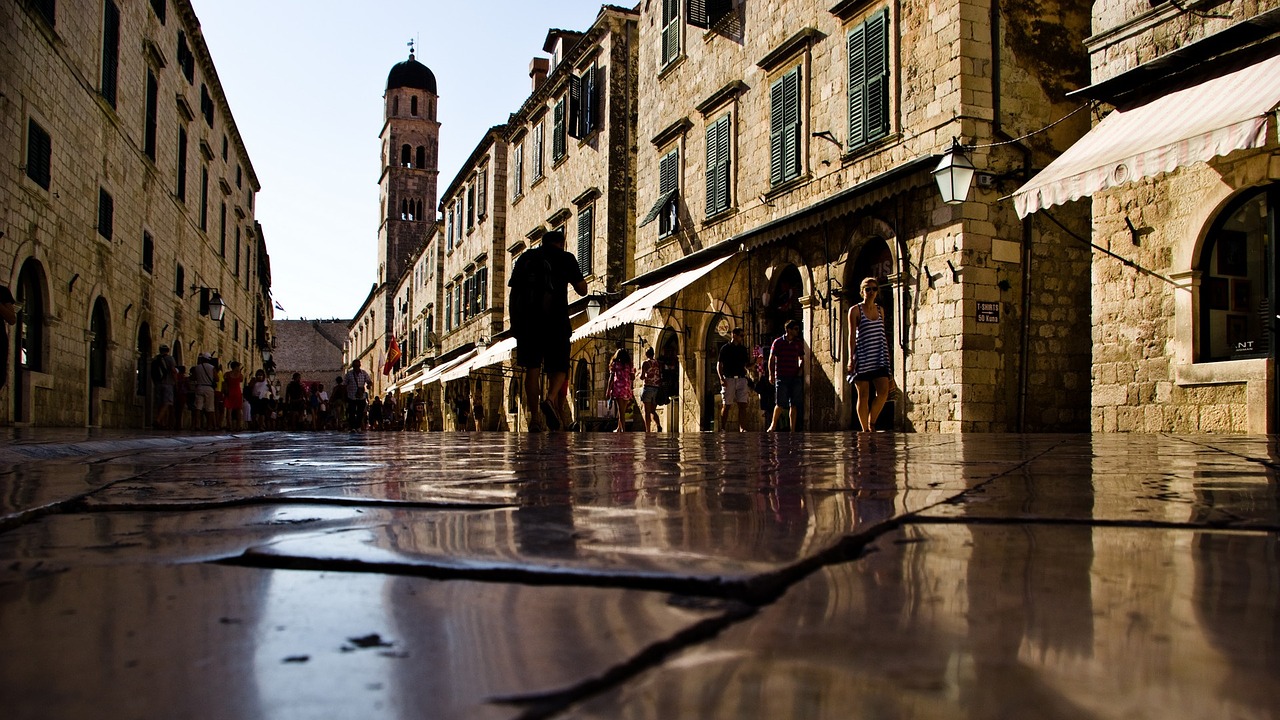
[{"x": 869, "y": 355}]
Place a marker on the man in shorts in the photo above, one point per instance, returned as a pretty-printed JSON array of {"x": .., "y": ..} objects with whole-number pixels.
[
  {"x": 204, "y": 375},
  {"x": 732, "y": 368},
  {"x": 540, "y": 321},
  {"x": 786, "y": 368}
]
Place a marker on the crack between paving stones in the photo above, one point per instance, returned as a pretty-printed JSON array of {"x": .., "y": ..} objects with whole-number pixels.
[
  {"x": 85, "y": 507},
  {"x": 1223, "y": 525}
]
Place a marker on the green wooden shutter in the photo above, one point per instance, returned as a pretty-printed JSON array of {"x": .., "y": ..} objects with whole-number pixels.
[
  {"x": 878, "y": 75},
  {"x": 557, "y": 132},
  {"x": 670, "y": 30},
  {"x": 585, "y": 233},
  {"x": 39, "y": 154},
  {"x": 784, "y": 140},
  {"x": 718, "y": 166},
  {"x": 777, "y": 108},
  {"x": 857, "y": 87},
  {"x": 577, "y": 108}
]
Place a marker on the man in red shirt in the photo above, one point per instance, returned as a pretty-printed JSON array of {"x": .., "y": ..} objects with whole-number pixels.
[{"x": 786, "y": 366}]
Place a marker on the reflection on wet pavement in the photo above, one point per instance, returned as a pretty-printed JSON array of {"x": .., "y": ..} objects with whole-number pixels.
[{"x": 648, "y": 576}]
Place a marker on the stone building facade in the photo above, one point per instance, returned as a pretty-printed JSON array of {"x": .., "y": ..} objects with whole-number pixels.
[
  {"x": 785, "y": 154},
  {"x": 310, "y": 347},
  {"x": 1183, "y": 216},
  {"x": 126, "y": 201}
]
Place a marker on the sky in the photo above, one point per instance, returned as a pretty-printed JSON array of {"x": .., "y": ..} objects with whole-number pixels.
[{"x": 304, "y": 80}]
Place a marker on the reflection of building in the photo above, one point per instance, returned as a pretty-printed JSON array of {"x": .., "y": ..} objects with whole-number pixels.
[
  {"x": 127, "y": 200},
  {"x": 1182, "y": 173}
]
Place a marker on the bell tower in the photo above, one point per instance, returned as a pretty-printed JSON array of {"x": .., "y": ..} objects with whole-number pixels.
[{"x": 410, "y": 157}]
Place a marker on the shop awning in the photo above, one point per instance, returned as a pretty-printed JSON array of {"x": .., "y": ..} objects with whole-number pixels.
[
  {"x": 496, "y": 353},
  {"x": 1193, "y": 124},
  {"x": 407, "y": 383},
  {"x": 435, "y": 373},
  {"x": 639, "y": 305}
]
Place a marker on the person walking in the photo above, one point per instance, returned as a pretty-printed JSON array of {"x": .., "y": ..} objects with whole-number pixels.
[
  {"x": 869, "y": 356},
  {"x": 233, "y": 395},
  {"x": 786, "y": 369},
  {"x": 651, "y": 379},
  {"x": 622, "y": 379},
  {"x": 540, "y": 321},
  {"x": 162, "y": 369},
  {"x": 732, "y": 368},
  {"x": 203, "y": 375},
  {"x": 358, "y": 384}
]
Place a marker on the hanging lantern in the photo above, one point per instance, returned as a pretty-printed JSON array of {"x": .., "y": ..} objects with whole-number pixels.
[{"x": 954, "y": 175}]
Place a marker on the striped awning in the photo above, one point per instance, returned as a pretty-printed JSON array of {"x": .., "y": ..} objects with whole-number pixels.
[
  {"x": 436, "y": 373},
  {"x": 640, "y": 304},
  {"x": 496, "y": 353},
  {"x": 1194, "y": 124}
]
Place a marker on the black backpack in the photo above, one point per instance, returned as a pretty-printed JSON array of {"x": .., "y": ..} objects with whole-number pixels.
[
  {"x": 532, "y": 288},
  {"x": 157, "y": 368}
]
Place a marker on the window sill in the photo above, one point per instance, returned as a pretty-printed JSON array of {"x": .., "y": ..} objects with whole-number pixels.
[
  {"x": 537, "y": 181},
  {"x": 516, "y": 200},
  {"x": 670, "y": 67},
  {"x": 1222, "y": 372},
  {"x": 557, "y": 162},
  {"x": 870, "y": 148},
  {"x": 719, "y": 217},
  {"x": 787, "y": 186}
]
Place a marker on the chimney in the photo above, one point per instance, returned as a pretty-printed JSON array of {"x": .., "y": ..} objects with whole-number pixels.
[{"x": 538, "y": 71}]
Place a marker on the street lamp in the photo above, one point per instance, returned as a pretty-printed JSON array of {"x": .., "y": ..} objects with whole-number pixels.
[
  {"x": 954, "y": 174},
  {"x": 593, "y": 308},
  {"x": 211, "y": 303}
]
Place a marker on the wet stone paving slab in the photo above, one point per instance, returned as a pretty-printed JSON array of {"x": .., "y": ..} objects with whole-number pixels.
[{"x": 487, "y": 575}]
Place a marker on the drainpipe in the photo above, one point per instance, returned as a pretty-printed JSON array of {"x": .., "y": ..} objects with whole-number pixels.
[{"x": 998, "y": 134}]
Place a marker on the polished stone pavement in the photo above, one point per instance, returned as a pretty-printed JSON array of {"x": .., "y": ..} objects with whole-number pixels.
[{"x": 629, "y": 576}]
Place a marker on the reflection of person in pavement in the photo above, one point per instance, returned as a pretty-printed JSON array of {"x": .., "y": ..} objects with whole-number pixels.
[{"x": 542, "y": 522}]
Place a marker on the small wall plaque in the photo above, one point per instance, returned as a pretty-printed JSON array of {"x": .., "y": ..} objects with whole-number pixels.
[{"x": 989, "y": 312}]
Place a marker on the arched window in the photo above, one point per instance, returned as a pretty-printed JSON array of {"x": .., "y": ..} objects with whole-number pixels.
[
  {"x": 404, "y": 209},
  {"x": 1235, "y": 273},
  {"x": 419, "y": 213},
  {"x": 29, "y": 343},
  {"x": 405, "y": 158},
  {"x": 395, "y": 105},
  {"x": 413, "y": 105},
  {"x": 422, "y": 157},
  {"x": 98, "y": 344}
]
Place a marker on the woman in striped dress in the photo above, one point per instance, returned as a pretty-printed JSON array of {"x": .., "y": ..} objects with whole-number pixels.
[{"x": 869, "y": 355}]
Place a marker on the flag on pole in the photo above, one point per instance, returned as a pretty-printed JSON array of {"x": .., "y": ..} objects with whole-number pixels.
[
  {"x": 280, "y": 307},
  {"x": 393, "y": 354}
]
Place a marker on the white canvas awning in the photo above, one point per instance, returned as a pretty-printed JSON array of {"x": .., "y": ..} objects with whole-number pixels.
[
  {"x": 1195, "y": 124},
  {"x": 408, "y": 383},
  {"x": 639, "y": 305},
  {"x": 435, "y": 373},
  {"x": 496, "y": 353}
]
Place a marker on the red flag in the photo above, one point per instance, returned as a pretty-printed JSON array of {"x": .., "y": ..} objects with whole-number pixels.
[{"x": 393, "y": 354}]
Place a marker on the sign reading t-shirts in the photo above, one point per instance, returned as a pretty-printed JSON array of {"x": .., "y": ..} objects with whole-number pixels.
[{"x": 989, "y": 312}]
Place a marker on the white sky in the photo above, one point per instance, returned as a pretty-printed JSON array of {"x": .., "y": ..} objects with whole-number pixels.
[{"x": 305, "y": 78}]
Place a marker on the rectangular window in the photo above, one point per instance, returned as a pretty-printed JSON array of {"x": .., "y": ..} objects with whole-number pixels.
[
  {"x": 148, "y": 252},
  {"x": 239, "y": 175},
  {"x": 448, "y": 308},
  {"x": 153, "y": 104},
  {"x": 482, "y": 195},
  {"x": 158, "y": 7},
  {"x": 669, "y": 186},
  {"x": 537, "y": 150},
  {"x": 204, "y": 198},
  {"x": 206, "y": 105},
  {"x": 180, "y": 281},
  {"x": 558, "y": 132},
  {"x": 39, "y": 154},
  {"x": 186, "y": 60},
  {"x": 448, "y": 231},
  {"x": 224, "y": 148},
  {"x": 47, "y": 10},
  {"x": 110, "y": 50},
  {"x": 517, "y": 173},
  {"x": 236, "y": 270},
  {"x": 784, "y": 128},
  {"x": 222, "y": 233},
  {"x": 182, "y": 164},
  {"x": 718, "y": 166},
  {"x": 670, "y": 31},
  {"x": 106, "y": 213},
  {"x": 583, "y": 101},
  {"x": 869, "y": 80},
  {"x": 707, "y": 14},
  {"x": 471, "y": 207},
  {"x": 586, "y": 237},
  {"x": 482, "y": 288}
]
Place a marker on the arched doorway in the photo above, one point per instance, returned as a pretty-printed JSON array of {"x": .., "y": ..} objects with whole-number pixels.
[
  {"x": 874, "y": 260},
  {"x": 582, "y": 390},
  {"x": 718, "y": 333},
  {"x": 669, "y": 357},
  {"x": 782, "y": 304},
  {"x": 99, "y": 338},
  {"x": 29, "y": 340}
]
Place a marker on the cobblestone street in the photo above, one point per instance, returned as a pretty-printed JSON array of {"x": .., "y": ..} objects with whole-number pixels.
[{"x": 396, "y": 575}]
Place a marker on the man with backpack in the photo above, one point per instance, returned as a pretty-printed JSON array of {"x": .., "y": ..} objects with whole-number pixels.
[
  {"x": 162, "y": 369},
  {"x": 540, "y": 321}
]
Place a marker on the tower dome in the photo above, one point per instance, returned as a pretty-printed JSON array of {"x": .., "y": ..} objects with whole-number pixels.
[{"x": 411, "y": 74}]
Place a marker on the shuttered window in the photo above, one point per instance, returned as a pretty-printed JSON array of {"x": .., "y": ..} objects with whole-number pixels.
[
  {"x": 784, "y": 128},
  {"x": 718, "y": 166},
  {"x": 110, "y": 50},
  {"x": 537, "y": 150},
  {"x": 517, "y": 172},
  {"x": 204, "y": 198},
  {"x": 47, "y": 10},
  {"x": 558, "y": 132},
  {"x": 586, "y": 238},
  {"x": 584, "y": 98},
  {"x": 669, "y": 186},
  {"x": 182, "y": 164},
  {"x": 869, "y": 80},
  {"x": 39, "y": 154},
  {"x": 482, "y": 194},
  {"x": 707, "y": 14},
  {"x": 670, "y": 30}
]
